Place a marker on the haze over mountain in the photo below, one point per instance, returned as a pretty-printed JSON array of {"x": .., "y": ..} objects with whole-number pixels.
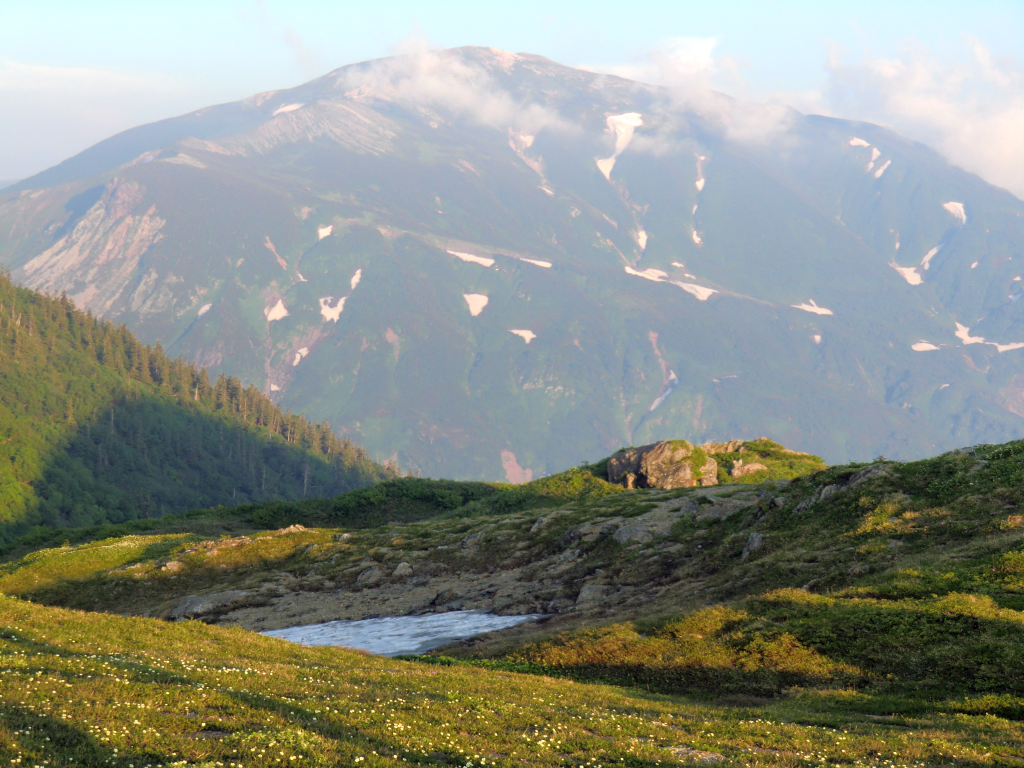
[{"x": 489, "y": 265}]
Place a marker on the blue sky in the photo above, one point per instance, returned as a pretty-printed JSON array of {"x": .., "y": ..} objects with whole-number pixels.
[{"x": 72, "y": 73}]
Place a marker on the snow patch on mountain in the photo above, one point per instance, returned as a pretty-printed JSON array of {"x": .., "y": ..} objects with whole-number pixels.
[
  {"x": 299, "y": 355},
  {"x": 482, "y": 260},
  {"x": 476, "y": 302},
  {"x": 928, "y": 257},
  {"x": 855, "y": 142},
  {"x": 287, "y": 108},
  {"x": 693, "y": 289},
  {"x": 356, "y": 278},
  {"x": 276, "y": 312},
  {"x": 203, "y": 310},
  {"x": 648, "y": 274},
  {"x": 622, "y": 126},
  {"x": 957, "y": 210},
  {"x": 880, "y": 171},
  {"x": 323, "y": 232},
  {"x": 331, "y": 312},
  {"x": 923, "y": 346},
  {"x": 810, "y": 306},
  {"x": 526, "y": 335},
  {"x": 537, "y": 262},
  {"x": 696, "y": 238},
  {"x": 641, "y": 238}
]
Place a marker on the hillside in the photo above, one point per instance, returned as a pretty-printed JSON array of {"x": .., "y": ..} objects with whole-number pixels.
[
  {"x": 863, "y": 614},
  {"x": 96, "y": 427},
  {"x": 486, "y": 265}
]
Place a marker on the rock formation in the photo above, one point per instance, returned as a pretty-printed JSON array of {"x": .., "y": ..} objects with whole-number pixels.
[{"x": 668, "y": 464}]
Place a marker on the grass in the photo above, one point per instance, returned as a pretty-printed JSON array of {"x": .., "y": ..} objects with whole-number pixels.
[{"x": 99, "y": 690}]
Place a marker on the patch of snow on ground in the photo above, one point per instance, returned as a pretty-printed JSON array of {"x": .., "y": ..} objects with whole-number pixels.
[
  {"x": 817, "y": 338},
  {"x": 855, "y": 142},
  {"x": 943, "y": 387},
  {"x": 323, "y": 232},
  {"x": 299, "y": 355},
  {"x": 356, "y": 278},
  {"x": 923, "y": 346},
  {"x": 276, "y": 312},
  {"x": 535, "y": 262},
  {"x": 677, "y": 264},
  {"x": 974, "y": 265},
  {"x": 696, "y": 238},
  {"x": 396, "y": 635},
  {"x": 472, "y": 259},
  {"x": 286, "y": 108},
  {"x": 880, "y": 171},
  {"x": 964, "y": 334},
  {"x": 476, "y": 302},
  {"x": 274, "y": 388},
  {"x": 329, "y": 312},
  {"x": 1007, "y": 347},
  {"x": 641, "y": 238},
  {"x": 648, "y": 274},
  {"x": 1016, "y": 279},
  {"x": 699, "y": 183},
  {"x": 928, "y": 256},
  {"x": 874, "y": 154},
  {"x": 810, "y": 306},
  {"x": 910, "y": 274},
  {"x": 203, "y": 310},
  {"x": 527, "y": 336},
  {"x": 957, "y": 209},
  {"x": 622, "y": 126},
  {"x": 694, "y": 208},
  {"x": 666, "y": 390},
  {"x": 548, "y": 190},
  {"x": 699, "y": 291}
]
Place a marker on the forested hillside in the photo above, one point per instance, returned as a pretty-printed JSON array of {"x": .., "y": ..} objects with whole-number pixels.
[{"x": 97, "y": 427}]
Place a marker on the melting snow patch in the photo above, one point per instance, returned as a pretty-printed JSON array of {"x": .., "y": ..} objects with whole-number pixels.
[
  {"x": 286, "y": 108},
  {"x": 276, "y": 312},
  {"x": 974, "y": 265},
  {"x": 928, "y": 256},
  {"x": 910, "y": 274},
  {"x": 957, "y": 209},
  {"x": 641, "y": 238},
  {"x": 329, "y": 312},
  {"x": 476, "y": 302},
  {"x": 696, "y": 238},
  {"x": 622, "y": 126},
  {"x": 400, "y": 634},
  {"x": 964, "y": 334},
  {"x": 299, "y": 355},
  {"x": 274, "y": 388},
  {"x": 699, "y": 291},
  {"x": 943, "y": 386},
  {"x": 817, "y": 338},
  {"x": 301, "y": 278},
  {"x": 648, "y": 274},
  {"x": 472, "y": 259},
  {"x": 855, "y": 142},
  {"x": 1016, "y": 279},
  {"x": 536, "y": 263},
  {"x": 356, "y": 278},
  {"x": 875, "y": 154},
  {"x": 812, "y": 307},
  {"x": 323, "y": 232},
  {"x": 203, "y": 310},
  {"x": 547, "y": 190},
  {"x": 923, "y": 346},
  {"x": 880, "y": 171},
  {"x": 527, "y": 336},
  {"x": 699, "y": 183}
]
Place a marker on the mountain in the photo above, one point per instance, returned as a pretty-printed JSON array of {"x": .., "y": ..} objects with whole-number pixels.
[
  {"x": 96, "y": 427},
  {"x": 488, "y": 265}
]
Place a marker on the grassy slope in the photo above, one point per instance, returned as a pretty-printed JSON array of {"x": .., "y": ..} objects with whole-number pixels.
[{"x": 93, "y": 689}]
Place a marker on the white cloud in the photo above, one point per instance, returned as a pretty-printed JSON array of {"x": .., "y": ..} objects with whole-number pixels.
[
  {"x": 971, "y": 110},
  {"x": 450, "y": 84}
]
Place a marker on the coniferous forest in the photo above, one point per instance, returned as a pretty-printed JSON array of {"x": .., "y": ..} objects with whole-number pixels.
[{"x": 97, "y": 427}]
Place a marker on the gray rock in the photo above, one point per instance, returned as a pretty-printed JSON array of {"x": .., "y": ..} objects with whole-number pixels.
[
  {"x": 636, "y": 532},
  {"x": 739, "y": 469},
  {"x": 370, "y": 576},
  {"x": 754, "y": 542},
  {"x": 859, "y": 569},
  {"x": 661, "y": 465},
  {"x": 591, "y": 594},
  {"x": 402, "y": 571},
  {"x": 698, "y": 756},
  {"x": 198, "y": 606}
]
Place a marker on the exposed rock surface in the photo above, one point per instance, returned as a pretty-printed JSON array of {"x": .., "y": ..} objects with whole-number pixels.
[
  {"x": 668, "y": 464},
  {"x": 206, "y": 606},
  {"x": 739, "y": 469}
]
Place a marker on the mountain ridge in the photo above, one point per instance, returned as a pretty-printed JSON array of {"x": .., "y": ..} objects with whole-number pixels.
[{"x": 426, "y": 252}]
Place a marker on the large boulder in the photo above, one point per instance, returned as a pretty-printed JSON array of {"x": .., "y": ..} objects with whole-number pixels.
[{"x": 668, "y": 464}]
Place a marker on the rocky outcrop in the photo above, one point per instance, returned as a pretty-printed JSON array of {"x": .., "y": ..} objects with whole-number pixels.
[
  {"x": 668, "y": 464},
  {"x": 209, "y": 605},
  {"x": 739, "y": 469}
]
